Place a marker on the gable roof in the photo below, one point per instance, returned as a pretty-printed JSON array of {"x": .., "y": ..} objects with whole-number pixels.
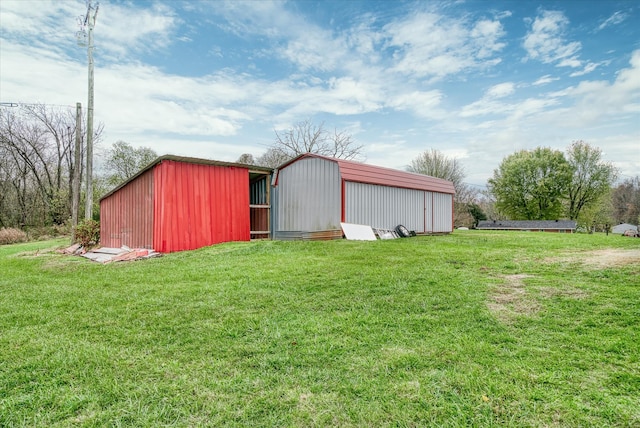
[
  {"x": 621, "y": 228},
  {"x": 363, "y": 173},
  {"x": 527, "y": 224}
]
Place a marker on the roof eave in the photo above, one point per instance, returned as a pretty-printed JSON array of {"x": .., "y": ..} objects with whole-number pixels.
[{"x": 186, "y": 159}]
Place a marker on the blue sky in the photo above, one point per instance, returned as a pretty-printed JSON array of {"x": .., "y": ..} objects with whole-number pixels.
[{"x": 477, "y": 80}]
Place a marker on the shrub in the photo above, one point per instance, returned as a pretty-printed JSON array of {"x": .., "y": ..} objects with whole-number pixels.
[
  {"x": 42, "y": 233},
  {"x": 88, "y": 233},
  {"x": 11, "y": 236}
]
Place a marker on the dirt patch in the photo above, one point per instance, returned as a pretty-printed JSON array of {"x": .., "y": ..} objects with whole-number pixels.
[
  {"x": 612, "y": 257},
  {"x": 514, "y": 298},
  {"x": 38, "y": 253},
  {"x": 511, "y": 298},
  {"x": 599, "y": 259},
  {"x": 569, "y": 293}
]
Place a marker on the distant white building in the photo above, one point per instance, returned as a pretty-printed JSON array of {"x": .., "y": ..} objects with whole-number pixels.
[{"x": 622, "y": 228}]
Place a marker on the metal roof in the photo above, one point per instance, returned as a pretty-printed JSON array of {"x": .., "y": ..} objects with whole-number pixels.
[
  {"x": 622, "y": 227},
  {"x": 371, "y": 174},
  {"x": 527, "y": 224},
  {"x": 199, "y": 161}
]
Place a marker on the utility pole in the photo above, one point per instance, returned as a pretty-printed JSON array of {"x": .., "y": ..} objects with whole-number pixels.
[
  {"x": 77, "y": 166},
  {"x": 90, "y": 22}
]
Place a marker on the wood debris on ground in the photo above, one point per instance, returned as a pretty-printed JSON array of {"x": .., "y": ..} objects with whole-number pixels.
[{"x": 108, "y": 255}]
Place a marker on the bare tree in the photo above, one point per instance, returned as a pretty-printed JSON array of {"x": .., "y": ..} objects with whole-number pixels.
[
  {"x": 306, "y": 137},
  {"x": 36, "y": 142},
  {"x": 626, "y": 201},
  {"x": 246, "y": 159},
  {"x": 273, "y": 158},
  {"x": 435, "y": 164}
]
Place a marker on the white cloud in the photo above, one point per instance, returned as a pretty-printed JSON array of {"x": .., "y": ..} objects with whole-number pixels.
[
  {"x": 545, "y": 41},
  {"x": 588, "y": 68},
  {"x": 594, "y": 111},
  {"x": 398, "y": 105},
  {"x": 614, "y": 19},
  {"x": 433, "y": 46},
  {"x": 485, "y": 35},
  {"x": 545, "y": 79},
  {"x": 49, "y": 25},
  {"x": 364, "y": 41},
  {"x": 501, "y": 90},
  {"x": 612, "y": 98},
  {"x": 423, "y": 103},
  {"x": 293, "y": 38},
  {"x": 27, "y": 76},
  {"x": 489, "y": 103},
  {"x": 123, "y": 29}
]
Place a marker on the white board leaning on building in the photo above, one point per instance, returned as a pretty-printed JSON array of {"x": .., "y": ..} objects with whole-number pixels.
[{"x": 313, "y": 194}]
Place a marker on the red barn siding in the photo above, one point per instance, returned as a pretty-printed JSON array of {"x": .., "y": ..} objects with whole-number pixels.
[
  {"x": 126, "y": 216},
  {"x": 198, "y": 205}
]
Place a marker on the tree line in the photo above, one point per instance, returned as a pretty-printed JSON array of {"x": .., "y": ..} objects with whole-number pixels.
[
  {"x": 539, "y": 184},
  {"x": 542, "y": 184},
  {"x": 37, "y": 166}
]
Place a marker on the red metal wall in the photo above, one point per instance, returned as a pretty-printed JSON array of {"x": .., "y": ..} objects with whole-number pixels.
[
  {"x": 198, "y": 205},
  {"x": 126, "y": 216}
]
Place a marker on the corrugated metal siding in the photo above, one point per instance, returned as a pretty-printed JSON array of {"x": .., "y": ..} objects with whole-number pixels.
[
  {"x": 363, "y": 173},
  {"x": 384, "y": 207},
  {"x": 428, "y": 212},
  {"x": 307, "y": 196},
  {"x": 126, "y": 216},
  {"x": 442, "y": 213},
  {"x": 198, "y": 205}
]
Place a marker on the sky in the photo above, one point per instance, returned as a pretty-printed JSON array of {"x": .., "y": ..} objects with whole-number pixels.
[{"x": 476, "y": 80}]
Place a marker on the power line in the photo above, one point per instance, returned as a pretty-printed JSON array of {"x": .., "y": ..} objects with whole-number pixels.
[
  {"x": 18, "y": 104},
  {"x": 628, "y": 176},
  {"x": 482, "y": 186}
]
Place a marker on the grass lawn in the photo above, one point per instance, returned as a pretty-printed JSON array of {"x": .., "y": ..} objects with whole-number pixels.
[{"x": 471, "y": 329}]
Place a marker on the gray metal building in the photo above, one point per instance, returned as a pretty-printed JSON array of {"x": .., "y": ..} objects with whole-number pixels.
[{"x": 312, "y": 194}]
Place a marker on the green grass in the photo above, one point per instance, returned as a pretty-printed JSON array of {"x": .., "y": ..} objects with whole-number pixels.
[{"x": 470, "y": 329}]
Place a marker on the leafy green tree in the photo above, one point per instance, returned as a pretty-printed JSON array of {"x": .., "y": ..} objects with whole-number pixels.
[
  {"x": 529, "y": 185},
  {"x": 597, "y": 214},
  {"x": 477, "y": 213},
  {"x": 591, "y": 180},
  {"x": 123, "y": 161}
]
